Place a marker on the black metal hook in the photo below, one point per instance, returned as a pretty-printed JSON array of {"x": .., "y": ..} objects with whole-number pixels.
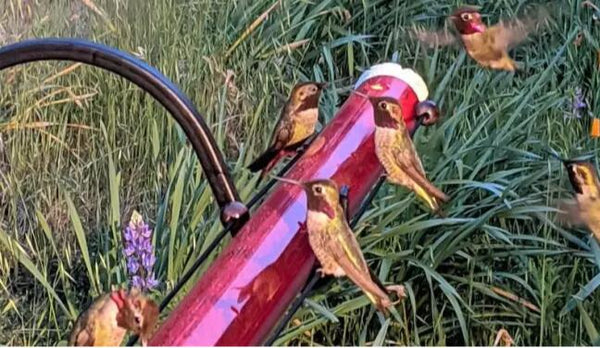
[{"x": 156, "y": 84}]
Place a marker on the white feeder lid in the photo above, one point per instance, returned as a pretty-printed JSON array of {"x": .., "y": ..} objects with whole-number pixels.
[{"x": 414, "y": 80}]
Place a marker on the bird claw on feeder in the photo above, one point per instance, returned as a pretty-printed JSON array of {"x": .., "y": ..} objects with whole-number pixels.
[
  {"x": 304, "y": 146},
  {"x": 399, "y": 290},
  {"x": 302, "y": 226}
]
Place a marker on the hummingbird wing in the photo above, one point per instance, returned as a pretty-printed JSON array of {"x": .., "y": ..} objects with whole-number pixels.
[
  {"x": 82, "y": 333},
  {"x": 409, "y": 163},
  {"x": 346, "y": 252},
  {"x": 150, "y": 313},
  {"x": 510, "y": 33},
  {"x": 283, "y": 131},
  {"x": 571, "y": 214},
  {"x": 83, "y": 338},
  {"x": 433, "y": 38},
  {"x": 282, "y": 134},
  {"x": 580, "y": 213}
]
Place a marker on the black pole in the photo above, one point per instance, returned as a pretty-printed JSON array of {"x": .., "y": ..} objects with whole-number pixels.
[{"x": 157, "y": 85}]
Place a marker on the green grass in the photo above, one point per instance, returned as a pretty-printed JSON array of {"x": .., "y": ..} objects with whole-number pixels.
[{"x": 68, "y": 187}]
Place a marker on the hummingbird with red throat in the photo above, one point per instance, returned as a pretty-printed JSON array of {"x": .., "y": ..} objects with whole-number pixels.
[
  {"x": 111, "y": 315},
  {"x": 334, "y": 243},
  {"x": 488, "y": 45},
  {"x": 397, "y": 154}
]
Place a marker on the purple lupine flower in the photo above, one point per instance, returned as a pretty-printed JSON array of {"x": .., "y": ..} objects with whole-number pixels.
[
  {"x": 148, "y": 262},
  {"x": 139, "y": 254},
  {"x": 129, "y": 249},
  {"x": 578, "y": 103},
  {"x": 137, "y": 282},
  {"x": 151, "y": 282},
  {"x": 132, "y": 266}
]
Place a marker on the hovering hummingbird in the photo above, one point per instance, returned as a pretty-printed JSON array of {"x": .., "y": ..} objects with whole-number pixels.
[
  {"x": 111, "y": 315},
  {"x": 296, "y": 123},
  {"x": 487, "y": 45},
  {"x": 334, "y": 244},
  {"x": 585, "y": 209},
  {"x": 396, "y": 152}
]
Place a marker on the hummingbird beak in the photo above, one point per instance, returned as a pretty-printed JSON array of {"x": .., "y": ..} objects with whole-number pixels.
[
  {"x": 289, "y": 181},
  {"x": 322, "y": 85},
  {"x": 479, "y": 27}
]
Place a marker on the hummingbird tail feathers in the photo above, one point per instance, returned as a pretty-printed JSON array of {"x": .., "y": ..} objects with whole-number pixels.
[
  {"x": 435, "y": 194},
  {"x": 263, "y": 160},
  {"x": 363, "y": 279},
  {"x": 433, "y": 200}
]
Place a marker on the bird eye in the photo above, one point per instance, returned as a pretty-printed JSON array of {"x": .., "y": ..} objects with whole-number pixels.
[
  {"x": 318, "y": 189},
  {"x": 383, "y": 105},
  {"x": 313, "y": 89},
  {"x": 138, "y": 320},
  {"x": 466, "y": 17},
  {"x": 301, "y": 94}
]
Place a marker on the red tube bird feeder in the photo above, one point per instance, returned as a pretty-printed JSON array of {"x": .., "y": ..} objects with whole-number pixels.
[
  {"x": 246, "y": 290},
  {"x": 249, "y": 286}
]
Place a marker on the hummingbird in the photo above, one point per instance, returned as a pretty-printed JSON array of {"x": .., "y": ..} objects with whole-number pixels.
[
  {"x": 334, "y": 243},
  {"x": 488, "y": 46},
  {"x": 585, "y": 208},
  {"x": 397, "y": 154},
  {"x": 503, "y": 338},
  {"x": 111, "y": 315},
  {"x": 296, "y": 123}
]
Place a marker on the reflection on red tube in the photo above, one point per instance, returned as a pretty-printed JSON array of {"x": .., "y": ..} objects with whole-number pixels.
[{"x": 249, "y": 287}]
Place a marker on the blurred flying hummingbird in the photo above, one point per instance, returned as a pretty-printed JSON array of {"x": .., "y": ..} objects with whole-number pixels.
[
  {"x": 111, "y": 315},
  {"x": 487, "y": 45},
  {"x": 396, "y": 152},
  {"x": 585, "y": 209},
  {"x": 334, "y": 244},
  {"x": 297, "y": 123}
]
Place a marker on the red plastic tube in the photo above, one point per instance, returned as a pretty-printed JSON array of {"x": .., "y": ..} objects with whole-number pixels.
[{"x": 249, "y": 286}]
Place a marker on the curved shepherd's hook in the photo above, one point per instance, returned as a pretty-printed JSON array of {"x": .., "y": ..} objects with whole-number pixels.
[{"x": 156, "y": 84}]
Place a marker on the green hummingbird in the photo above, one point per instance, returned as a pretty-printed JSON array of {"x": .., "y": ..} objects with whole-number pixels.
[
  {"x": 297, "y": 122},
  {"x": 585, "y": 208},
  {"x": 111, "y": 315},
  {"x": 397, "y": 154},
  {"x": 334, "y": 244}
]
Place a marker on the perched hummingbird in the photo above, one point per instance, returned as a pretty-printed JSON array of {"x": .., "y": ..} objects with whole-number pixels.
[
  {"x": 585, "y": 209},
  {"x": 109, "y": 317},
  {"x": 487, "y": 45},
  {"x": 296, "y": 123},
  {"x": 396, "y": 152},
  {"x": 334, "y": 244}
]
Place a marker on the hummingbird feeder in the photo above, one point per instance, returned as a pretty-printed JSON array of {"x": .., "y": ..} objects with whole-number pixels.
[{"x": 246, "y": 291}]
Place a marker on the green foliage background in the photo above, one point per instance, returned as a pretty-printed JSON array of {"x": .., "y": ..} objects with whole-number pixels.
[{"x": 83, "y": 148}]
